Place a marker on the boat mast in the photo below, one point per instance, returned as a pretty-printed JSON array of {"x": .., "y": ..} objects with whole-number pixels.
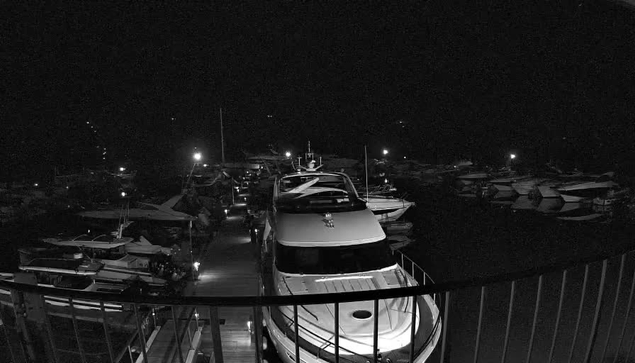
[
  {"x": 222, "y": 139},
  {"x": 366, "y": 170}
]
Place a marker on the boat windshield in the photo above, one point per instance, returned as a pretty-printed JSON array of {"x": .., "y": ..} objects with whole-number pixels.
[
  {"x": 333, "y": 260},
  {"x": 317, "y": 192}
]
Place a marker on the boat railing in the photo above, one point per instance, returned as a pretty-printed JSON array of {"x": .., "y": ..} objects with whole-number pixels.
[
  {"x": 416, "y": 271},
  {"x": 578, "y": 311}
]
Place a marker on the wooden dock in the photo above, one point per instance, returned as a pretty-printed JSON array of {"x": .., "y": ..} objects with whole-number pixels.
[{"x": 227, "y": 268}]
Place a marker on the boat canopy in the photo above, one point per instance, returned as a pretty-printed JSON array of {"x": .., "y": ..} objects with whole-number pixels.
[{"x": 328, "y": 229}]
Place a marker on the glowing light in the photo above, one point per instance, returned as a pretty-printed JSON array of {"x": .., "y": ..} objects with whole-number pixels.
[
  {"x": 226, "y": 211},
  {"x": 123, "y": 194},
  {"x": 196, "y": 266},
  {"x": 122, "y": 169},
  {"x": 287, "y": 154},
  {"x": 196, "y": 315},
  {"x": 404, "y": 157},
  {"x": 385, "y": 152},
  {"x": 385, "y": 181},
  {"x": 36, "y": 184},
  {"x": 512, "y": 156},
  {"x": 205, "y": 165},
  {"x": 197, "y": 156}
]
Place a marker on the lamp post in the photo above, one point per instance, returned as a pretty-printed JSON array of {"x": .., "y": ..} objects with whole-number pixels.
[
  {"x": 512, "y": 156},
  {"x": 197, "y": 156}
]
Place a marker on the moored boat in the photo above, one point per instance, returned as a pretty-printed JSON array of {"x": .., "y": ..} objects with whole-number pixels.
[{"x": 320, "y": 237}]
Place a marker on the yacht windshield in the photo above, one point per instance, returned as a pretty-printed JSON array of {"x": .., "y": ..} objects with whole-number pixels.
[
  {"x": 317, "y": 192},
  {"x": 333, "y": 260}
]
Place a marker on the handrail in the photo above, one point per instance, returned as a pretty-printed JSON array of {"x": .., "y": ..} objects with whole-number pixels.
[{"x": 309, "y": 299}]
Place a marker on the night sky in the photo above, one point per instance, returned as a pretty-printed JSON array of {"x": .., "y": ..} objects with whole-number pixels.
[{"x": 555, "y": 79}]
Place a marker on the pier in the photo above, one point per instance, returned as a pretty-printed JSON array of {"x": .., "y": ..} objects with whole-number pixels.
[{"x": 227, "y": 268}]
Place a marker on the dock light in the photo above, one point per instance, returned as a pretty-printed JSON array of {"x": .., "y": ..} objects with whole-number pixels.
[
  {"x": 512, "y": 156},
  {"x": 122, "y": 169},
  {"x": 385, "y": 181},
  {"x": 196, "y": 265},
  {"x": 36, "y": 185},
  {"x": 197, "y": 156},
  {"x": 123, "y": 194},
  {"x": 205, "y": 165},
  {"x": 404, "y": 157},
  {"x": 385, "y": 152},
  {"x": 287, "y": 154}
]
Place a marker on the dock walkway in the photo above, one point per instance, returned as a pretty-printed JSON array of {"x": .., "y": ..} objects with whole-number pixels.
[{"x": 227, "y": 268}]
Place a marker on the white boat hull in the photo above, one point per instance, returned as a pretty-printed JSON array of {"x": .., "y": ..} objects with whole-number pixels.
[{"x": 285, "y": 346}]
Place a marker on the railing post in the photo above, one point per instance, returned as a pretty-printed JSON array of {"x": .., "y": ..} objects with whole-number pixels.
[
  {"x": 6, "y": 335},
  {"x": 560, "y": 302},
  {"x": 413, "y": 328},
  {"x": 480, "y": 321},
  {"x": 444, "y": 325},
  {"x": 617, "y": 295},
  {"x": 107, "y": 332},
  {"x": 628, "y": 313},
  {"x": 535, "y": 322},
  {"x": 336, "y": 312},
  {"x": 257, "y": 331},
  {"x": 596, "y": 316},
  {"x": 509, "y": 320},
  {"x": 296, "y": 329},
  {"x": 177, "y": 340},
  {"x": 216, "y": 338},
  {"x": 375, "y": 329},
  {"x": 140, "y": 335},
  {"x": 49, "y": 331},
  {"x": 76, "y": 328},
  {"x": 580, "y": 308}
]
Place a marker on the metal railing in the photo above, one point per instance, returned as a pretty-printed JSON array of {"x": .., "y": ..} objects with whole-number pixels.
[{"x": 573, "y": 312}]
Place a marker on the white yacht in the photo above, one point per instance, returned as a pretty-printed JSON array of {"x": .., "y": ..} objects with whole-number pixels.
[{"x": 320, "y": 238}]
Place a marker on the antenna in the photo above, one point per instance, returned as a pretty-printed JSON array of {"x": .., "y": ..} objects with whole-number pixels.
[
  {"x": 222, "y": 139},
  {"x": 366, "y": 170}
]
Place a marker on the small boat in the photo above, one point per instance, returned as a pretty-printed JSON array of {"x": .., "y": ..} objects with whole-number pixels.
[
  {"x": 397, "y": 227},
  {"x": 525, "y": 186},
  {"x": 523, "y": 203},
  {"x": 387, "y": 208},
  {"x": 611, "y": 197},
  {"x": 146, "y": 211},
  {"x": 584, "y": 191},
  {"x": 68, "y": 275},
  {"x": 398, "y": 241}
]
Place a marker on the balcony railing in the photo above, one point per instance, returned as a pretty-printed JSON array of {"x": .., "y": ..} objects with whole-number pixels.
[{"x": 573, "y": 312}]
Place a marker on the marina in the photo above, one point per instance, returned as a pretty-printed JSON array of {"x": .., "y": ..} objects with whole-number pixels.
[{"x": 318, "y": 183}]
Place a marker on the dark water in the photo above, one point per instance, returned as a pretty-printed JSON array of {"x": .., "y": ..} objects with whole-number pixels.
[{"x": 458, "y": 239}]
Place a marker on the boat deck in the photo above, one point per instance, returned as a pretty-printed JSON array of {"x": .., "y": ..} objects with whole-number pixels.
[{"x": 227, "y": 268}]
